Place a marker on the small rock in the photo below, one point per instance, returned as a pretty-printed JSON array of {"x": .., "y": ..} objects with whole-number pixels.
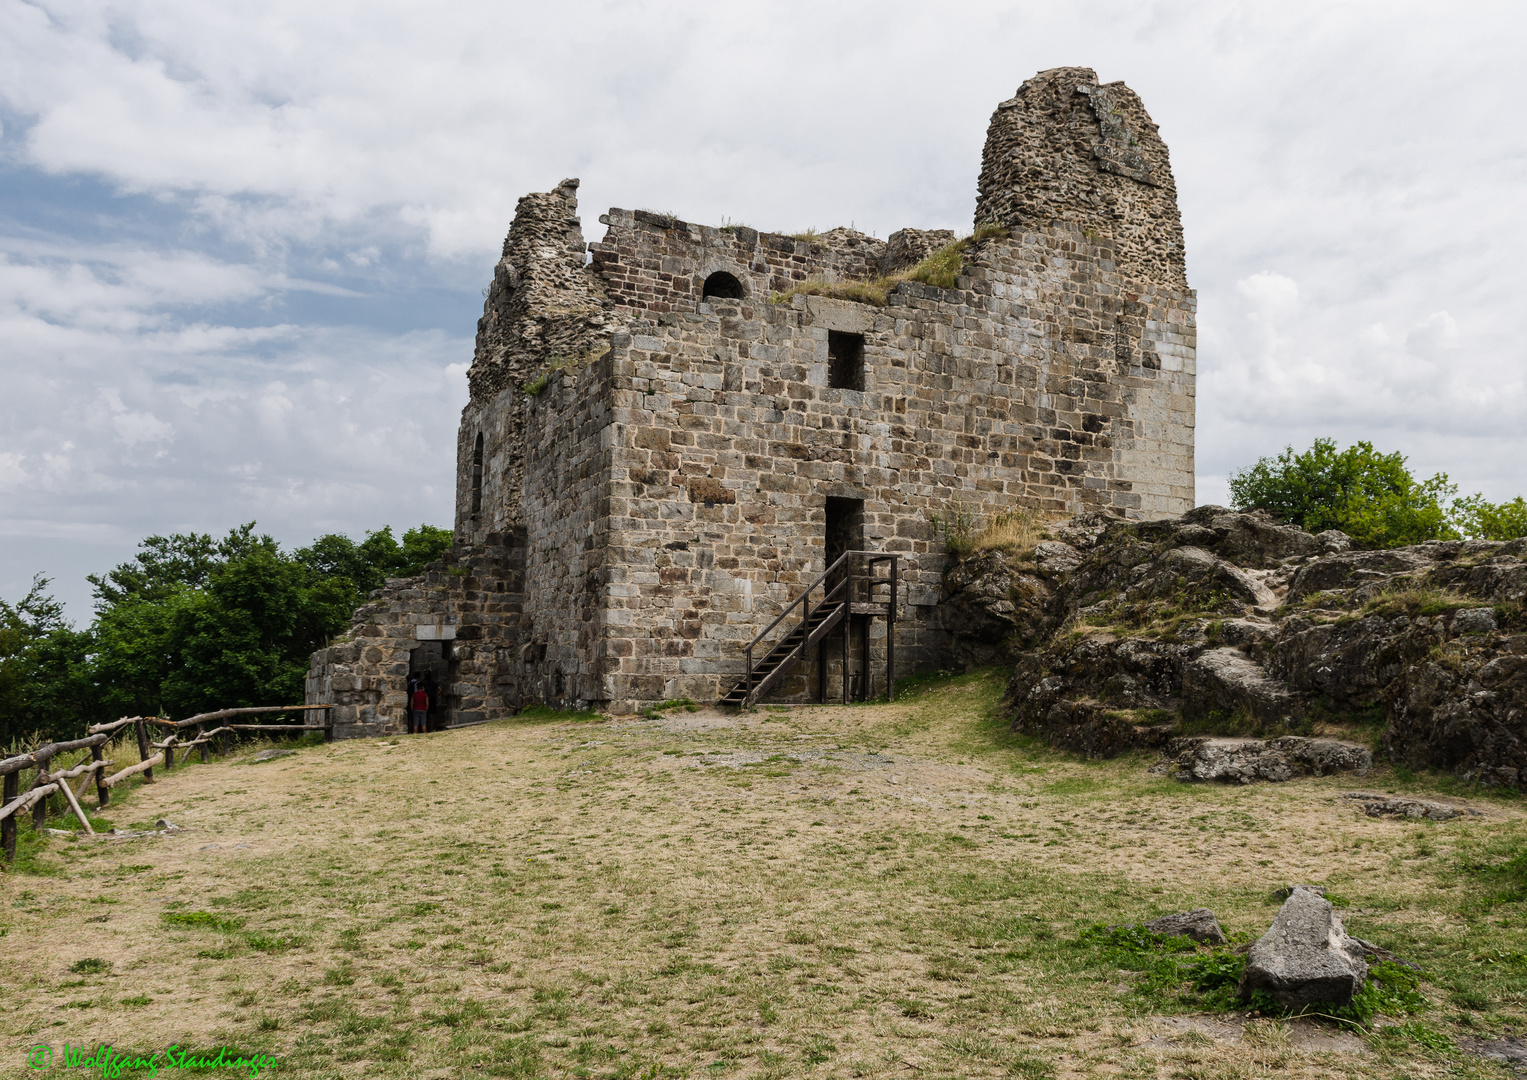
[
  {"x": 271, "y": 755},
  {"x": 1479, "y": 620},
  {"x": 166, "y": 825},
  {"x": 1510, "y": 1050},
  {"x": 1198, "y": 924},
  {"x": 1306, "y": 956},
  {"x": 1055, "y": 558},
  {"x": 1083, "y": 530},
  {"x": 1245, "y": 761},
  {"x": 1334, "y": 541},
  {"x": 1391, "y": 806},
  {"x": 209, "y": 847}
]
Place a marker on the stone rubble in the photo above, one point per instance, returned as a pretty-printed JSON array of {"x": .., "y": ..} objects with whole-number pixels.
[
  {"x": 1198, "y": 924},
  {"x": 1414, "y": 809}
]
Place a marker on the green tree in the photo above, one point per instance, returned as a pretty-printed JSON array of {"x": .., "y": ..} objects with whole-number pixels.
[
  {"x": 1372, "y": 497},
  {"x": 46, "y": 686},
  {"x": 1479, "y": 519},
  {"x": 192, "y": 624},
  {"x": 378, "y": 557}
]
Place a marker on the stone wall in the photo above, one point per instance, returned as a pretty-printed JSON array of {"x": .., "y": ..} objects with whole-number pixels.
[
  {"x": 1043, "y": 382},
  {"x": 471, "y": 603},
  {"x": 668, "y": 456},
  {"x": 544, "y": 307}
]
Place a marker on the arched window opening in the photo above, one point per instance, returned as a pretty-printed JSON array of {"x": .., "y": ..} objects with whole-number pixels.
[
  {"x": 477, "y": 475},
  {"x": 724, "y": 286}
]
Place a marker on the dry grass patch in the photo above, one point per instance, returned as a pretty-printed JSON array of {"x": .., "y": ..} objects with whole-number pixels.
[{"x": 873, "y": 890}]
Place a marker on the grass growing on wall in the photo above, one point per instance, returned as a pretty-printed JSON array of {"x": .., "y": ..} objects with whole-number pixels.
[{"x": 941, "y": 269}]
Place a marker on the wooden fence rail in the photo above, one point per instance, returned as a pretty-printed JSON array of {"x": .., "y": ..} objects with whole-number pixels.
[{"x": 13, "y": 802}]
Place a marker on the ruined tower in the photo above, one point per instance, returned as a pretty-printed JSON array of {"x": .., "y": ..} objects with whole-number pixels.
[{"x": 666, "y": 442}]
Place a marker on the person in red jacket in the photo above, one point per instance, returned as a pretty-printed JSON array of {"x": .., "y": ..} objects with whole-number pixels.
[{"x": 418, "y": 714}]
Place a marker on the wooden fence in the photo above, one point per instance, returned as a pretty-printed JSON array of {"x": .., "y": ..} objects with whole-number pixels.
[{"x": 49, "y": 781}]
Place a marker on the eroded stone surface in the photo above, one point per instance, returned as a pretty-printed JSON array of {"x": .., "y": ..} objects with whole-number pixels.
[
  {"x": 1245, "y": 761},
  {"x": 1393, "y": 806},
  {"x": 1306, "y": 956},
  {"x": 1199, "y": 924}
]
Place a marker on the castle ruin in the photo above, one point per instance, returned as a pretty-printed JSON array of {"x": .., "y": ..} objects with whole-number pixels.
[{"x": 675, "y": 430}]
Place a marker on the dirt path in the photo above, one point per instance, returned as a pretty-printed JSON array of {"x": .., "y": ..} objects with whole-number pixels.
[{"x": 873, "y": 890}]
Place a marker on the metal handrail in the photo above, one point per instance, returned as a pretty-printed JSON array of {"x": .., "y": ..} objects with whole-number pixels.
[
  {"x": 786, "y": 610},
  {"x": 847, "y": 556}
]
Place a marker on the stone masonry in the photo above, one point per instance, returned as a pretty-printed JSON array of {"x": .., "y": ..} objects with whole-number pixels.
[{"x": 658, "y": 440}]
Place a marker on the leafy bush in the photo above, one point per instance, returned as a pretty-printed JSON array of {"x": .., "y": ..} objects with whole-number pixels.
[
  {"x": 1370, "y": 496},
  {"x": 1479, "y": 519}
]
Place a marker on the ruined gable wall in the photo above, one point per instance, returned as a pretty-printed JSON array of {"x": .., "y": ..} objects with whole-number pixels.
[
  {"x": 544, "y": 307},
  {"x": 1067, "y": 150}
]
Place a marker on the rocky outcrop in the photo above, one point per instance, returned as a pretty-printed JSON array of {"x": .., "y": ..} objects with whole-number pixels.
[
  {"x": 996, "y": 606},
  {"x": 1244, "y": 761},
  {"x": 1198, "y": 924},
  {"x": 1128, "y": 635},
  {"x": 1414, "y": 809},
  {"x": 1305, "y": 957}
]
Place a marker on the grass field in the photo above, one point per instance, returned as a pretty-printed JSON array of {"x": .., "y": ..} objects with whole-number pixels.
[{"x": 874, "y": 890}]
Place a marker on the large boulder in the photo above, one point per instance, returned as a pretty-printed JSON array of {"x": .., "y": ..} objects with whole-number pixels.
[
  {"x": 1223, "y": 682},
  {"x": 1306, "y": 956},
  {"x": 1245, "y": 761}
]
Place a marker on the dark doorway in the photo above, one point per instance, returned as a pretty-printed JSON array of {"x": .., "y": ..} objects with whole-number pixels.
[
  {"x": 845, "y": 360},
  {"x": 430, "y": 664},
  {"x": 845, "y": 527},
  {"x": 723, "y": 286}
]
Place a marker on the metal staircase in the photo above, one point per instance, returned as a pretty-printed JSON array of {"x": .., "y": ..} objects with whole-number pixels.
[{"x": 850, "y": 586}]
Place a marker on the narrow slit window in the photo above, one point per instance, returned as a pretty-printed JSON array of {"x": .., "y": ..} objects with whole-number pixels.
[
  {"x": 477, "y": 475},
  {"x": 845, "y": 360}
]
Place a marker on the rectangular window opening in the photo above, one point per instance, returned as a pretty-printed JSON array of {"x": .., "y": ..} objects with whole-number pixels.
[{"x": 845, "y": 360}]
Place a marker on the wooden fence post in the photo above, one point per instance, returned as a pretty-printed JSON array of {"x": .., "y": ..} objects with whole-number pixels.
[
  {"x": 8, "y": 826},
  {"x": 143, "y": 754},
  {"x": 40, "y": 811},
  {"x": 169, "y": 752},
  {"x": 201, "y": 733},
  {"x": 102, "y": 792}
]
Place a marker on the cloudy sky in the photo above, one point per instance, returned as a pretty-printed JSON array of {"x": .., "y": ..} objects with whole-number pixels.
[{"x": 242, "y": 245}]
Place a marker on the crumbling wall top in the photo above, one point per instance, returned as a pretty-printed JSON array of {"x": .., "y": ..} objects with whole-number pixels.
[
  {"x": 544, "y": 302},
  {"x": 1066, "y": 149}
]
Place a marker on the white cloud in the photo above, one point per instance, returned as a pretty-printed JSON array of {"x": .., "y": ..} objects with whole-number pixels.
[{"x": 1349, "y": 176}]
